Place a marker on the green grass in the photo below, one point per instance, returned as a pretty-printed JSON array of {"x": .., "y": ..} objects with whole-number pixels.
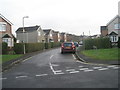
[
  {"x": 102, "y": 54},
  {"x": 6, "y": 58}
]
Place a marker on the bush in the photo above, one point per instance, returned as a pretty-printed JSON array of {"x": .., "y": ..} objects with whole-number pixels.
[
  {"x": 100, "y": 43},
  {"x": 4, "y": 48},
  {"x": 19, "y": 48},
  {"x": 32, "y": 47}
]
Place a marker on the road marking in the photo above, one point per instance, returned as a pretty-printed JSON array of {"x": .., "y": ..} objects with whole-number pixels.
[
  {"x": 59, "y": 73},
  {"x": 54, "y": 64},
  {"x": 83, "y": 69},
  {"x": 26, "y": 59},
  {"x": 51, "y": 56},
  {"x": 21, "y": 76},
  {"x": 97, "y": 67},
  {"x": 73, "y": 56},
  {"x": 111, "y": 66},
  {"x": 80, "y": 66},
  {"x": 51, "y": 67},
  {"x": 41, "y": 75},
  {"x": 116, "y": 67},
  {"x": 103, "y": 69},
  {"x": 74, "y": 72},
  {"x": 88, "y": 70},
  {"x": 3, "y": 78},
  {"x": 70, "y": 70}
]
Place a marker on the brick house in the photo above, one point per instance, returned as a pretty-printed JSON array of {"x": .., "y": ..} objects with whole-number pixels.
[
  {"x": 56, "y": 36},
  {"x": 32, "y": 34},
  {"x": 63, "y": 37},
  {"x": 6, "y": 31},
  {"x": 48, "y": 35}
]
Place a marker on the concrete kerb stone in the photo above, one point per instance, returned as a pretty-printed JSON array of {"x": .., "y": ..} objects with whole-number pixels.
[
  {"x": 11, "y": 63},
  {"x": 86, "y": 59}
]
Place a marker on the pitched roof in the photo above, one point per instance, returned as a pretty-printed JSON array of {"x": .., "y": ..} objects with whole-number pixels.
[
  {"x": 5, "y": 19},
  {"x": 28, "y": 29},
  {"x": 47, "y": 31},
  {"x": 113, "y": 33},
  {"x": 117, "y": 16},
  {"x": 6, "y": 35}
]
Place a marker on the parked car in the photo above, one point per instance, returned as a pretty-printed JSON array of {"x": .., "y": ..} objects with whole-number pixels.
[
  {"x": 76, "y": 44},
  {"x": 68, "y": 47}
]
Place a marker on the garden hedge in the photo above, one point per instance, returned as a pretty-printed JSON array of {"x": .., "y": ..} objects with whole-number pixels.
[
  {"x": 33, "y": 47},
  {"x": 100, "y": 43},
  {"x": 4, "y": 48}
]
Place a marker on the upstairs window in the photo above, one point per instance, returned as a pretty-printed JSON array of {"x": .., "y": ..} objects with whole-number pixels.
[
  {"x": 2, "y": 26},
  {"x": 117, "y": 26}
]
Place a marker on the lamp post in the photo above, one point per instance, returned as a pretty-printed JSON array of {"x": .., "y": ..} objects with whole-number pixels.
[{"x": 24, "y": 32}]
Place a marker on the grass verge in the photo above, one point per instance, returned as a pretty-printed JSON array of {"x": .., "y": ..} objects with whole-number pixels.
[
  {"x": 6, "y": 58},
  {"x": 102, "y": 54}
]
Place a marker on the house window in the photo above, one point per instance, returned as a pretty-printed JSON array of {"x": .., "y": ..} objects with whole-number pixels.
[
  {"x": 117, "y": 26},
  {"x": 2, "y": 27},
  {"x": 114, "y": 38}
]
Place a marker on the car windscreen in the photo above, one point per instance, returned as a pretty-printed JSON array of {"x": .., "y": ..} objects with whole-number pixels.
[{"x": 67, "y": 44}]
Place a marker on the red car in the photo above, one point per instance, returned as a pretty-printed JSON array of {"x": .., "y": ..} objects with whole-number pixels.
[{"x": 68, "y": 47}]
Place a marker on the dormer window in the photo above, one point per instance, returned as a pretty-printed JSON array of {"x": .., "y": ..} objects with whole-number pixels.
[{"x": 2, "y": 26}]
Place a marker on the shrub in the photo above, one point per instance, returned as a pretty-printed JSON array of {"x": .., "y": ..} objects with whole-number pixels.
[
  {"x": 98, "y": 42},
  {"x": 4, "y": 48},
  {"x": 19, "y": 48},
  {"x": 32, "y": 47}
]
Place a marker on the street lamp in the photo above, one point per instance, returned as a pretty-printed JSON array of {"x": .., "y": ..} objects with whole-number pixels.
[{"x": 24, "y": 32}]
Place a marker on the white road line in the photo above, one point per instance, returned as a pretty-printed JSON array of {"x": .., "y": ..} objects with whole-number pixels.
[
  {"x": 80, "y": 66},
  {"x": 70, "y": 70},
  {"x": 88, "y": 70},
  {"x": 51, "y": 67},
  {"x": 26, "y": 59},
  {"x": 116, "y": 67},
  {"x": 73, "y": 56},
  {"x": 83, "y": 69},
  {"x": 3, "y": 78},
  {"x": 111, "y": 66},
  {"x": 55, "y": 65},
  {"x": 103, "y": 69},
  {"x": 97, "y": 67},
  {"x": 51, "y": 56},
  {"x": 74, "y": 72},
  {"x": 60, "y": 73},
  {"x": 41, "y": 75},
  {"x": 21, "y": 76}
]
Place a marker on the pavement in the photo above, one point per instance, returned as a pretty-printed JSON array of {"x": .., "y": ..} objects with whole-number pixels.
[{"x": 51, "y": 69}]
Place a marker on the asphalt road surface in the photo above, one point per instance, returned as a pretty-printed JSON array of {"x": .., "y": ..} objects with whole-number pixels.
[{"x": 51, "y": 69}]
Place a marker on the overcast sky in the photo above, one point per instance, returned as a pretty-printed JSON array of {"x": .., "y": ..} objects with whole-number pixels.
[{"x": 71, "y": 16}]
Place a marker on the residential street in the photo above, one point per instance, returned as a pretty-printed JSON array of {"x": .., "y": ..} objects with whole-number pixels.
[{"x": 51, "y": 69}]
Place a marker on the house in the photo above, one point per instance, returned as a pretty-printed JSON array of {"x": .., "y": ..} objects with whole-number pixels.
[
  {"x": 6, "y": 31},
  {"x": 48, "y": 35},
  {"x": 104, "y": 31},
  {"x": 32, "y": 34},
  {"x": 56, "y": 36},
  {"x": 69, "y": 37},
  {"x": 113, "y": 27},
  {"x": 112, "y": 30},
  {"x": 63, "y": 37}
]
